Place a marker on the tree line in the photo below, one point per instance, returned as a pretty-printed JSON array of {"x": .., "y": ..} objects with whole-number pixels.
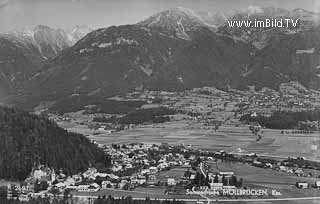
[
  {"x": 283, "y": 119},
  {"x": 95, "y": 105},
  {"x": 153, "y": 115}
]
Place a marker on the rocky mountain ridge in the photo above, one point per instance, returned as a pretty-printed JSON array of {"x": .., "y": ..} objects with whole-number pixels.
[{"x": 175, "y": 50}]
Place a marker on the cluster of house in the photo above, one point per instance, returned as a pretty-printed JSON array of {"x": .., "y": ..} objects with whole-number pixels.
[
  {"x": 279, "y": 166},
  {"x": 140, "y": 165},
  {"x": 205, "y": 100},
  {"x": 305, "y": 185},
  {"x": 132, "y": 165}
]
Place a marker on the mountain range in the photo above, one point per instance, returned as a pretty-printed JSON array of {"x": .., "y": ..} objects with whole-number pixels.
[
  {"x": 175, "y": 49},
  {"x": 23, "y": 52}
]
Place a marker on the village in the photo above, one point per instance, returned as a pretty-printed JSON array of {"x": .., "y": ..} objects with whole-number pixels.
[{"x": 140, "y": 165}]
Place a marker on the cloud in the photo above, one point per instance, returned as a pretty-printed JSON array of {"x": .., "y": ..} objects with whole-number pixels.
[
  {"x": 317, "y": 10},
  {"x": 76, "y": 1},
  {"x": 317, "y": 7},
  {"x": 254, "y": 9},
  {"x": 4, "y": 3}
]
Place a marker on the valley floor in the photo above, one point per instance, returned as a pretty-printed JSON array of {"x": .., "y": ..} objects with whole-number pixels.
[{"x": 237, "y": 138}]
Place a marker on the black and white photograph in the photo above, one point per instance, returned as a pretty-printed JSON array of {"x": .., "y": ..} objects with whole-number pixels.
[{"x": 159, "y": 101}]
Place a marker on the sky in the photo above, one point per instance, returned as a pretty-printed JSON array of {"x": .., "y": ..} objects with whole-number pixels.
[{"x": 17, "y": 14}]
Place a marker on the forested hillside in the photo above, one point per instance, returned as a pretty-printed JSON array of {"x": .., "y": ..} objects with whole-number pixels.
[{"x": 26, "y": 140}]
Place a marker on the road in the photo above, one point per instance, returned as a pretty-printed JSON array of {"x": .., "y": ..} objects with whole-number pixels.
[{"x": 202, "y": 171}]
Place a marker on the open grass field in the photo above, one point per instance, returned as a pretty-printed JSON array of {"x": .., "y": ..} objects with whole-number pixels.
[
  {"x": 228, "y": 137},
  {"x": 254, "y": 177},
  {"x": 260, "y": 176}
]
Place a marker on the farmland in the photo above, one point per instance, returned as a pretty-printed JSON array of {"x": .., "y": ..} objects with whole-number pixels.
[
  {"x": 228, "y": 138},
  {"x": 255, "y": 177},
  {"x": 194, "y": 124}
]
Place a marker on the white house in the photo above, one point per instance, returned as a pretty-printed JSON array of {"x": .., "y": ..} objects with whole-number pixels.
[
  {"x": 90, "y": 173},
  {"x": 142, "y": 180},
  {"x": 83, "y": 188},
  {"x": 303, "y": 185},
  {"x": 299, "y": 172},
  {"x": 94, "y": 187},
  {"x": 283, "y": 168},
  {"x": 105, "y": 184},
  {"x": 145, "y": 171},
  {"x": 163, "y": 165},
  {"x": 129, "y": 166},
  {"x": 116, "y": 168},
  {"x": 269, "y": 165},
  {"x": 153, "y": 170},
  {"x": 171, "y": 182},
  {"x": 226, "y": 174},
  {"x": 229, "y": 187},
  {"x": 216, "y": 186}
]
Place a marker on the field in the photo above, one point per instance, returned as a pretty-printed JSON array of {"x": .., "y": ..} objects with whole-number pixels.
[
  {"x": 253, "y": 177},
  {"x": 266, "y": 178},
  {"x": 236, "y": 138},
  {"x": 228, "y": 137}
]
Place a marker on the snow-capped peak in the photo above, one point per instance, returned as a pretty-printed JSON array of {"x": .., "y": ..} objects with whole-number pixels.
[
  {"x": 180, "y": 21},
  {"x": 254, "y": 9}
]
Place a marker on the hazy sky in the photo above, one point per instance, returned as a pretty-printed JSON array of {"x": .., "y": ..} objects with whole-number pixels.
[{"x": 103, "y": 13}]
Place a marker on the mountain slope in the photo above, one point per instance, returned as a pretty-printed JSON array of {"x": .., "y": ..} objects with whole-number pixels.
[
  {"x": 22, "y": 53},
  {"x": 17, "y": 64},
  {"x": 105, "y": 62},
  {"x": 208, "y": 61},
  {"x": 286, "y": 58},
  {"x": 49, "y": 41},
  {"x": 177, "y": 49},
  {"x": 27, "y": 139}
]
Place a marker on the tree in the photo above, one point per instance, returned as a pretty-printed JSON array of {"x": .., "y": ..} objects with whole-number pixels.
[
  {"x": 224, "y": 180},
  {"x": 197, "y": 179},
  {"x": 187, "y": 174},
  {"x": 54, "y": 191},
  {"x": 99, "y": 180},
  {"x": 206, "y": 181},
  {"x": 43, "y": 185},
  {"x": 3, "y": 192},
  {"x": 240, "y": 183},
  {"x": 216, "y": 179},
  {"x": 198, "y": 161},
  {"x": 40, "y": 140},
  {"x": 66, "y": 194},
  {"x": 36, "y": 187},
  {"x": 216, "y": 127},
  {"x": 234, "y": 181}
]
